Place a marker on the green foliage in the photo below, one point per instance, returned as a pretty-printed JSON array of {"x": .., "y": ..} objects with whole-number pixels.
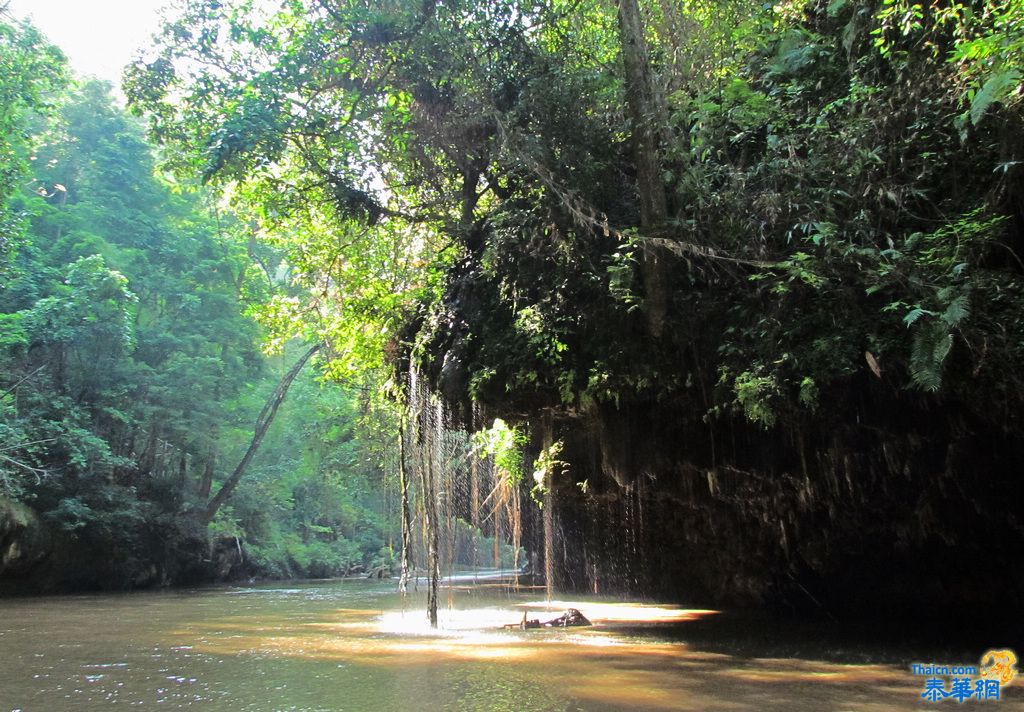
[
  {"x": 31, "y": 70},
  {"x": 545, "y": 468},
  {"x": 932, "y": 343},
  {"x": 801, "y": 145},
  {"x": 754, "y": 394},
  {"x": 94, "y": 306},
  {"x": 983, "y": 42},
  {"x": 313, "y": 501},
  {"x": 997, "y": 87},
  {"x": 843, "y": 191},
  {"x": 504, "y": 445},
  {"x": 130, "y": 376},
  {"x": 288, "y": 133}
]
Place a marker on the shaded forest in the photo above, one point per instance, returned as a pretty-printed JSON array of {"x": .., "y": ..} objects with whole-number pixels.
[
  {"x": 743, "y": 280},
  {"x": 132, "y": 375}
]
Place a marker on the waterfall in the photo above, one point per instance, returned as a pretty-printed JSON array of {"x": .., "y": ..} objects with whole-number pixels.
[
  {"x": 425, "y": 424},
  {"x": 545, "y": 477},
  {"x": 453, "y": 485}
]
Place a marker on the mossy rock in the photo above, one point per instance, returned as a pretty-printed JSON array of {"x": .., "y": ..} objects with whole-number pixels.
[{"x": 24, "y": 540}]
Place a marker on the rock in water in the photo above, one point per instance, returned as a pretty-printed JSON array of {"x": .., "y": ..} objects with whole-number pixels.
[{"x": 572, "y": 617}]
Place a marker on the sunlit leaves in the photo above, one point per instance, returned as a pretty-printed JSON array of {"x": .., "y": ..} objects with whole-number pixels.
[
  {"x": 983, "y": 42},
  {"x": 504, "y": 445},
  {"x": 30, "y": 70},
  {"x": 377, "y": 146}
]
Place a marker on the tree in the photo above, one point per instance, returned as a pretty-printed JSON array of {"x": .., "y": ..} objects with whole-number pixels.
[
  {"x": 32, "y": 69},
  {"x": 125, "y": 306},
  {"x": 645, "y": 117},
  {"x": 796, "y": 168},
  {"x": 263, "y": 422}
]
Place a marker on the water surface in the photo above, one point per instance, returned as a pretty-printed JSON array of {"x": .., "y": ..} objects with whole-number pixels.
[{"x": 325, "y": 647}]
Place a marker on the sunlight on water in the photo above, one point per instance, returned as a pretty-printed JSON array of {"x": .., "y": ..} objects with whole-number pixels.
[
  {"x": 622, "y": 612},
  {"x": 357, "y": 646},
  {"x": 401, "y": 636}
]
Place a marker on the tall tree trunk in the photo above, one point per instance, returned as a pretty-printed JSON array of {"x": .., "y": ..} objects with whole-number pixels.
[
  {"x": 643, "y": 113},
  {"x": 206, "y": 483},
  {"x": 474, "y": 505},
  {"x": 430, "y": 524},
  {"x": 182, "y": 469},
  {"x": 403, "y": 476},
  {"x": 266, "y": 417},
  {"x": 147, "y": 463},
  {"x": 548, "y": 514}
]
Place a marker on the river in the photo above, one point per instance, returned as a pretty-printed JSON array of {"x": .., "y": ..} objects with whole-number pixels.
[{"x": 352, "y": 645}]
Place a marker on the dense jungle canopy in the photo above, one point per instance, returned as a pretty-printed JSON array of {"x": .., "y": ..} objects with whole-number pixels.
[
  {"x": 744, "y": 279},
  {"x": 131, "y": 372}
]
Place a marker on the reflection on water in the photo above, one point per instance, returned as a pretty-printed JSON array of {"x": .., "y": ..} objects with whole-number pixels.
[{"x": 354, "y": 646}]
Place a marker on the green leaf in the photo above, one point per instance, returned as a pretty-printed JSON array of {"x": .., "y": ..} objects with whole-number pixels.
[
  {"x": 941, "y": 350},
  {"x": 997, "y": 88},
  {"x": 915, "y": 314},
  {"x": 957, "y": 311},
  {"x": 932, "y": 344},
  {"x": 836, "y": 6}
]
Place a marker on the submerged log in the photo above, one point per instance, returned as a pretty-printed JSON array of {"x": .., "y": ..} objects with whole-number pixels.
[{"x": 572, "y": 617}]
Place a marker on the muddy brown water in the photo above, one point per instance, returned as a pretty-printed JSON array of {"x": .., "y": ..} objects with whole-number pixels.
[{"x": 355, "y": 645}]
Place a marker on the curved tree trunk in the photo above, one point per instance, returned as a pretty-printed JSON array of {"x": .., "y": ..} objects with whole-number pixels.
[{"x": 266, "y": 417}]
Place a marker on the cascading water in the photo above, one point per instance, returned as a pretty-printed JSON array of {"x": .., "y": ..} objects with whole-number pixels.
[
  {"x": 457, "y": 481},
  {"x": 425, "y": 421}
]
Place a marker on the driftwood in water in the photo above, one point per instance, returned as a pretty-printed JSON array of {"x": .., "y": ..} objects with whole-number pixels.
[{"x": 572, "y": 617}]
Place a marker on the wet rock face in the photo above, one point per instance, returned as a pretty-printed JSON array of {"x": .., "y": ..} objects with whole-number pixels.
[
  {"x": 36, "y": 559},
  {"x": 891, "y": 508},
  {"x": 881, "y": 502},
  {"x": 454, "y": 377},
  {"x": 24, "y": 540}
]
